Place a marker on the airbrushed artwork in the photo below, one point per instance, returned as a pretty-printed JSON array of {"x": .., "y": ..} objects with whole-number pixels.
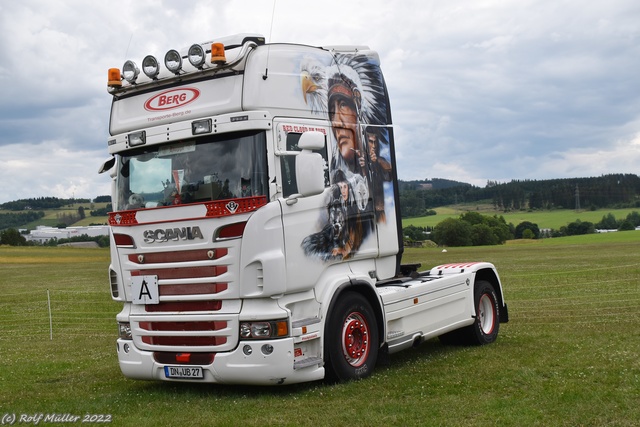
[{"x": 351, "y": 92}]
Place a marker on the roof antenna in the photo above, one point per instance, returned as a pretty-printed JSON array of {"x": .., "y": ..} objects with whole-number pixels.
[{"x": 266, "y": 70}]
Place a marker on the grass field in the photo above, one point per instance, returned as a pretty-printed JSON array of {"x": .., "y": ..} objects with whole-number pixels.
[
  {"x": 544, "y": 219},
  {"x": 568, "y": 357}
]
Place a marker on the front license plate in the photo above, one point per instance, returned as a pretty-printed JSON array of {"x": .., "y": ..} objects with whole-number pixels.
[{"x": 184, "y": 372}]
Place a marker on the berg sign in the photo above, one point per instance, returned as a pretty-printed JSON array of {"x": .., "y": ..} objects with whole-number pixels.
[{"x": 173, "y": 98}]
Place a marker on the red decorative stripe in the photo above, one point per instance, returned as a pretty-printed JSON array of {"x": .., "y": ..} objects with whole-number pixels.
[
  {"x": 178, "y": 256},
  {"x": 182, "y": 272},
  {"x": 183, "y": 306},
  {"x": 185, "y": 341},
  {"x": 193, "y": 289},
  {"x": 221, "y": 208},
  {"x": 215, "y": 325}
]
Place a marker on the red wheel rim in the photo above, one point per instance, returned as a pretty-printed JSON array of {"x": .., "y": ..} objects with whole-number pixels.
[{"x": 355, "y": 339}]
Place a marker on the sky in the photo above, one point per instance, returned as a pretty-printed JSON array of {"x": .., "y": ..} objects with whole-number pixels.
[{"x": 480, "y": 90}]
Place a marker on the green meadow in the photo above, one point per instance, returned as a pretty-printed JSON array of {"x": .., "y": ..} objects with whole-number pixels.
[
  {"x": 568, "y": 357},
  {"x": 545, "y": 219}
]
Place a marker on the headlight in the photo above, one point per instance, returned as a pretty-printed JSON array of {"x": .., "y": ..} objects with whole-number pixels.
[
  {"x": 264, "y": 329},
  {"x": 124, "y": 330}
]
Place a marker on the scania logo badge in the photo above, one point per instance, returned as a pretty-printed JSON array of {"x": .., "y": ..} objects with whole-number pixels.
[
  {"x": 170, "y": 99},
  {"x": 232, "y": 206}
]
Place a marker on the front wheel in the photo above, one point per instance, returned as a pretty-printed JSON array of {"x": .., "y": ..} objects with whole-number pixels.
[{"x": 351, "y": 339}]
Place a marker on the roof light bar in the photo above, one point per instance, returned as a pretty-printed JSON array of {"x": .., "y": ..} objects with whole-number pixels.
[
  {"x": 197, "y": 56},
  {"x": 150, "y": 66},
  {"x": 130, "y": 71},
  {"x": 173, "y": 61}
]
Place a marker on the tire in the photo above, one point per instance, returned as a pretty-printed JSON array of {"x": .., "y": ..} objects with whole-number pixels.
[
  {"x": 351, "y": 339},
  {"x": 487, "y": 320}
]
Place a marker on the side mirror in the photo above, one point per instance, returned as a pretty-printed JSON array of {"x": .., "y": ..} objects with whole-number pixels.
[
  {"x": 309, "y": 173},
  {"x": 108, "y": 164},
  {"x": 311, "y": 140},
  {"x": 309, "y": 167}
]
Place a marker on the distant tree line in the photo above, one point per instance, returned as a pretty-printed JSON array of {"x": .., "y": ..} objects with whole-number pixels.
[
  {"x": 12, "y": 237},
  {"x": 613, "y": 191},
  {"x": 40, "y": 203},
  {"x": 9, "y": 220},
  {"x": 102, "y": 241},
  {"x": 475, "y": 229}
]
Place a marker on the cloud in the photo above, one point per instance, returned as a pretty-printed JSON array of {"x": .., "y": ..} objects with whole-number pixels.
[{"x": 480, "y": 90}]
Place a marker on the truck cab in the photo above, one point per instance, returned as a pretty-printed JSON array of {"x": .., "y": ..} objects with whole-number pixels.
[{"x": 256, "y": 235}]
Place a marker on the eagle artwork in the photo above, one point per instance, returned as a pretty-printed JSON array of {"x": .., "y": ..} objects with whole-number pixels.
[{"x": 350, "y": 93}]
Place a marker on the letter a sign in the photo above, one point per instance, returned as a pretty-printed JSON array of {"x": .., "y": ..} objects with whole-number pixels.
[{"x": 144, "y": 290}]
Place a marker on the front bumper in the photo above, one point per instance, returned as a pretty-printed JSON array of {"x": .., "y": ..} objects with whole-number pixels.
[{"x": 233, "y": 367}]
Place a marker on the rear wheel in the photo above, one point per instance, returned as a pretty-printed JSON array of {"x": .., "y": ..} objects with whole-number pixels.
[
  {"x": 487, "y": 320},
  {"x": 351, "y": 339}
]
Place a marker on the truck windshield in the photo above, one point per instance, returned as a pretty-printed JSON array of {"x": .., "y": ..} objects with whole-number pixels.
[{"x": 215, "y": 167}]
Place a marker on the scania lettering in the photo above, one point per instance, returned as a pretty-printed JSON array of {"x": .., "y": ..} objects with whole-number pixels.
[
  {"x": 184, "y": 233},
  {"x": 256, "y": 234}
]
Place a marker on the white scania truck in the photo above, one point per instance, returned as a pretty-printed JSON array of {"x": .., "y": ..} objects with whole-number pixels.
[{"x": 255, "y": 233}]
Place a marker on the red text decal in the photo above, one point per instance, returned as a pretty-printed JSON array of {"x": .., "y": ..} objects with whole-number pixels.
[{"x": 173, "y": 98}]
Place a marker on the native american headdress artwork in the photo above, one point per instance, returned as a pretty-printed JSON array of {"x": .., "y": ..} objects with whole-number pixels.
[
  {"x": 357, "y": 76},
  {"x": 361, "y": 75},
  {"x": 351, "y": 215}
]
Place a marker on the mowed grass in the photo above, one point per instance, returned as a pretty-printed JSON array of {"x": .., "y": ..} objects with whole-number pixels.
[{"x": 569, "y": 355}]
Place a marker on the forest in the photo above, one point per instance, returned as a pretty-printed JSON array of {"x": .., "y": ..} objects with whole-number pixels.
[{"x": 417, "y": 198}]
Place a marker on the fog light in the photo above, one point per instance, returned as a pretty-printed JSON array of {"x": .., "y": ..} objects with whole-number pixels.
[
  {"x": 150, "y": 66},
  {"x": 197, "y": 56},
  {"x": 247, "y": 350},
  {"x": 126, "y": 348},
  {"x": 267, "y": 349},
  {"x": 130, "y": 71},
  {"x": 173, "y": 61}
]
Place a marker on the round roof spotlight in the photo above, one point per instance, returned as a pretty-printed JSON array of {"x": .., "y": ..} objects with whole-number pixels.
[
  {"x": 130, "y": 71},
  {"x": 173, "y": 61},
  {"x": 150, "y": 66},
  {"x": 197, "y": 55}
]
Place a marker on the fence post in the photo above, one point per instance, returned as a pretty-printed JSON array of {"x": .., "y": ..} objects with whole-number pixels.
[{"x": 50, "y": 319}]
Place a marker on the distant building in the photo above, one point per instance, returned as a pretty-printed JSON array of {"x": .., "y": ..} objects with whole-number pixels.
[{"x": 43, "y": 234}]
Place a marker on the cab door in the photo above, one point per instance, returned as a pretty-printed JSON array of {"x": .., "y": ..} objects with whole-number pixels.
[{"x": 324, "y": 229}]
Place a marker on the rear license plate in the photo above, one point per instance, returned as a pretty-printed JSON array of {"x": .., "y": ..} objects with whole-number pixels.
[{"x": 184, "y": 372}]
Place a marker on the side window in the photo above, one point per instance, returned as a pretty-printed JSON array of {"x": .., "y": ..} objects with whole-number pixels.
[{"x": 288, "y": 165}]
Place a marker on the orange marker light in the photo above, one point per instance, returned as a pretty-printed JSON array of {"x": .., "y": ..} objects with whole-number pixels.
[
  {"x": 114, "y": 78},
  {"x": 217, "y": 54}
]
